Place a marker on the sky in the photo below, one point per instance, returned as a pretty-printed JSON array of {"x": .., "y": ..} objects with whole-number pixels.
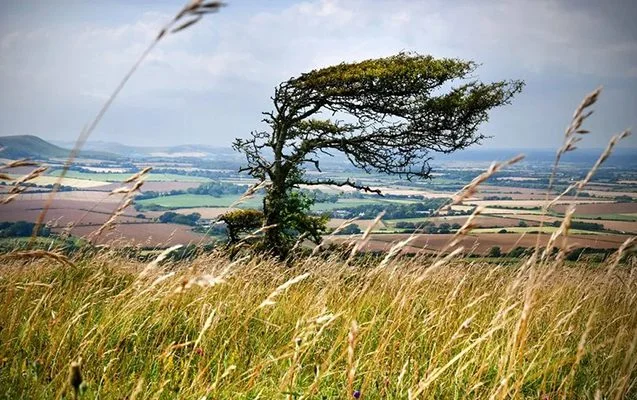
[{"x": 60, "y": 60}]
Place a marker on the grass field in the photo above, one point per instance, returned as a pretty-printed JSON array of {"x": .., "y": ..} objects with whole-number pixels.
[
  {"x": 610, "y": 217},
  {"x": 350, "y": 202},
  {"x": 195, "y": 200},
  {"x": 198, "y": 200},
  {"x": 119, "y": 177},
  {"x": 413, "y": 328}
]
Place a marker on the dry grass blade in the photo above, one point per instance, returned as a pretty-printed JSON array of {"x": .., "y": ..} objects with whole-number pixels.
[
  {"x": 138, "y": 175},
  {"x": 365, "y": 238},
  {"x": 269, "y": 301},
  {"x": 31, "y": 254},
  {"x": 395, "y": 249},
  {"x": 18, "y": 184},
  {"x": 19, "y": 163},
  {"x": 161, "y": 257},
  {"x": 472, "y": 188},
  {"x": 352, "y": 338},
  {"x": 603, "y": 157},
  {"x": 335, "y": 232},
  {"x": 572, "y": 130},
  {"x": 196, "y": 7}
]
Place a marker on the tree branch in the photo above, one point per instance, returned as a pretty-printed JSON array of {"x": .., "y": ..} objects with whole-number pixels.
[{"x": 347, "y": 182}]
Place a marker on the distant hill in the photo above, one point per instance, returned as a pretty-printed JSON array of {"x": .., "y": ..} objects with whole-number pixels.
[
  {"x": 29, "y": 146},
  {"x": 166, "y": 152},
  {"x": 35, "y": 147}
]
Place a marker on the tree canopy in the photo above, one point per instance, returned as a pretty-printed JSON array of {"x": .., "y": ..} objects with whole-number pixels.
[{"x": 385, "y": 115}]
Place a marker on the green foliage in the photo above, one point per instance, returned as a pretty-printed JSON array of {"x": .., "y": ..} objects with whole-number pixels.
[
  {"x": 409, "y": 227},
  {"x": 517, "y": 252},
  {"x": 21, "y": 229},
  {"x": 495, "y": 251},
  {"x": 582, "y": 225},
  {"x": 624, "y": 199},
  {"x": 392, "y": 210},
  {"x": 351, "y": 229},
  {"x": 297, "y": 221},
  {"x": 175, "y": 218},
  {"x": 240, "y": 222}
]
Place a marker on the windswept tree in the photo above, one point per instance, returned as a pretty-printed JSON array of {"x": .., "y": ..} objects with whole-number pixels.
[{"x": 385, "y": 115}]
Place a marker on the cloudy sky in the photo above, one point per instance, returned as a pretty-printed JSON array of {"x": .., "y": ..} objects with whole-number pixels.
[{"x": 59, "y": 60}]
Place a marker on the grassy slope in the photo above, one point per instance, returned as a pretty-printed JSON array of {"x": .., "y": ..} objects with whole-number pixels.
[{"x": 457, "y": 333}]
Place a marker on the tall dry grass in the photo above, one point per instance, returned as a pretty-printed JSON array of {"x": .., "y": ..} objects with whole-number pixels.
[{"x": 255, "y": 328}]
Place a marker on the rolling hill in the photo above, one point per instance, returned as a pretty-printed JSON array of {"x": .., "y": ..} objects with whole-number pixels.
[{"x": 29, "y": 146}]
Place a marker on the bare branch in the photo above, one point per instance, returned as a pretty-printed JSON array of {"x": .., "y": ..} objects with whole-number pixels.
[{"x": 347, "y": 182}]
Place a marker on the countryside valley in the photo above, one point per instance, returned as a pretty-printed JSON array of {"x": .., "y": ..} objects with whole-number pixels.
[{"x": 189, "y": 188}]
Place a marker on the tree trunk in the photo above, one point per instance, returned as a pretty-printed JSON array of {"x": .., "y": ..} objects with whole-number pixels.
[{"x": 273, "y": 206}]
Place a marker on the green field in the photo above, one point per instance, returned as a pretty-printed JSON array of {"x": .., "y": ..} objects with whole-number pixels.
[
  {"x": 199, "y": 200},
  {"x": 119, "y": 177},
  {"x": 609, "y": 217},
  {"x": 349, "y": 202}
]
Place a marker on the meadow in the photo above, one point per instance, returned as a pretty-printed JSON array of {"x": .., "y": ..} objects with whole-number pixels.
[{"x": 320, "y": 328}]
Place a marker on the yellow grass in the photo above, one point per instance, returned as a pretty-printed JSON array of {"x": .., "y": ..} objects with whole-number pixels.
[{"x": 409, "y": 328}]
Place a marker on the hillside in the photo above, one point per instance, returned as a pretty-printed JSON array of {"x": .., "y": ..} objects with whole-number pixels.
[{"x": 30, "y": 146}]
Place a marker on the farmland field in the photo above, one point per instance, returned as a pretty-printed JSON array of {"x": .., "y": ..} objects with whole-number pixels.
[
  {"x": 67, "y": 181},
  {"x": 534, "y": 229},
  {"x": 198, "y": 200},
  {"x": 119, "y": 177},
  {"x": 600, "y": 208},
  {"x": 355, "y": 202},
  {"x": 480, "y": 221},
  {"x": 153, "y": 235},
  {"x": 482, "y": 243},
  {"x": 626, "y": 226},
  {"x": 522, "y": 204}
]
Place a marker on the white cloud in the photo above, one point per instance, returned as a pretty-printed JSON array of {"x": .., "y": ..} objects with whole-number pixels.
[{"x": 240, "y": 57}]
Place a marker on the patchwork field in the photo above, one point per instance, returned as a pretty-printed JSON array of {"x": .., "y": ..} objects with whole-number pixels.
[
  {"x": 154, "y": 186},
  {"x": 625, "y": 226},
  {"x": 197, "y": 201},
  {"x": 67, "y": 181},
  {"x": 79, "y": 208},
  {"x": 119, "y": 177},
  {"x": 482, "y": 243},
  {"x": 508, "y": 204},
  {"x": 153, "y": 235},
  {"x": 600, "y": 208},
  {"x": 532, "y": 203}
]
